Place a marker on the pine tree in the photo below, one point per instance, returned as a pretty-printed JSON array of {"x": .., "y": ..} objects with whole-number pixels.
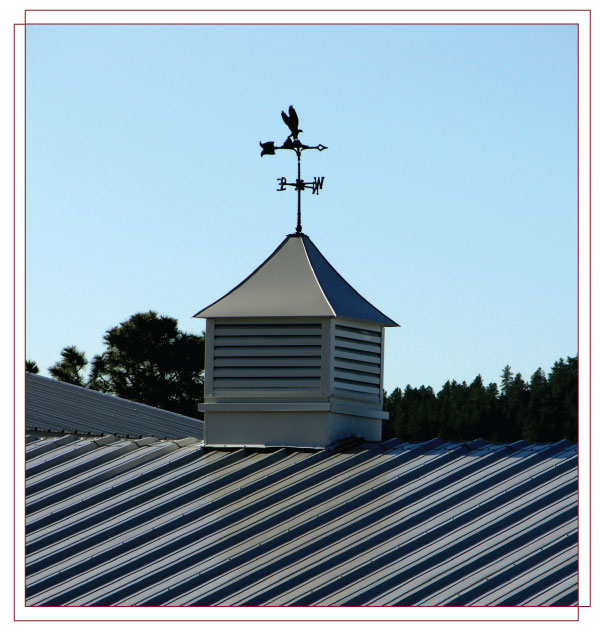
[
  {"x": 70, "y": 367},
  {"x": 507, "y": 379},
  {"x": 563, "y": 383},
  {"x": 149, "y": 360},
  {"x": 32, "y": 367},
  {"x": 537, "y": 425}
]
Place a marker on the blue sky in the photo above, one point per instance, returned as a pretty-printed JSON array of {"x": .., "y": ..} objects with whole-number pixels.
[{"x": 450, "y": 197}]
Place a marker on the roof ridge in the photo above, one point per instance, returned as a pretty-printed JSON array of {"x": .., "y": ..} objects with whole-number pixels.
[{"x": 312, "y": 269}]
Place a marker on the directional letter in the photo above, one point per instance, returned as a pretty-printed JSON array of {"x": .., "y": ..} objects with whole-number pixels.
[{"x": 318, "y": 184}]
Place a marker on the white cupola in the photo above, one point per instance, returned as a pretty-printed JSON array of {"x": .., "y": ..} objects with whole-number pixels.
[{"x": 294, "y": 356}]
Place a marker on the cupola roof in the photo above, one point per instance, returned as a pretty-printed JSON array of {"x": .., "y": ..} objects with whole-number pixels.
[{"x": 295, "y": 281}]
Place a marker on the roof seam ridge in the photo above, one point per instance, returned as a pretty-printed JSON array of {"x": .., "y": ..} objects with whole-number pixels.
[{"x": 312, "y": 269}]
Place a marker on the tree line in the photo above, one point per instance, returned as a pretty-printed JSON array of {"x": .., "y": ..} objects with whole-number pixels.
[
  {"x": 149, "y": 360},
  {"x": 545, "y": 408}
]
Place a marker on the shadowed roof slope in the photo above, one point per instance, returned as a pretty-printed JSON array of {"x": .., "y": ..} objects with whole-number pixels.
[
  {"x": 295, "y": 281},
  {"x": 52, "y": 406},
  {"x": 175, "y": 523}
]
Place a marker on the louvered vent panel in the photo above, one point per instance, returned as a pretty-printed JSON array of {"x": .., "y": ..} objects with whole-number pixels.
[
  {"x": 269, "y": 358},
  {"x": 357, "y": 361}
]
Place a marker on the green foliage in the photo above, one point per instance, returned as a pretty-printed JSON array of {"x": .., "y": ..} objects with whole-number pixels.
[
  {"x": 70, "y": 367},
  {"x": 543, "y": 409},
  {"x": 147, "y": 359},
  {"x": 31, "y": 367}
]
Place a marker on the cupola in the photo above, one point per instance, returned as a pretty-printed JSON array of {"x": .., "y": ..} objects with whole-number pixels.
[{"x": 294, "y": 354}]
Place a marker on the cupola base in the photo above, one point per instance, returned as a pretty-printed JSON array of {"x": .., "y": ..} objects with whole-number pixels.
[{"x": 310, "y": 425}]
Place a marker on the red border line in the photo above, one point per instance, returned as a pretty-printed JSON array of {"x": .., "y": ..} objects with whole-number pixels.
[
  {"x": 302, "y": 24},
  {"x": 14, "y": 310},
  {"x": 24, "y": 253},
  {"x": 308, "y": 10},
  {"x": 461, "y": 621},
  {"x": 578, "y": 378},
  {"x": 590, "y": 291},
  {"x": 282, "y": 24}
]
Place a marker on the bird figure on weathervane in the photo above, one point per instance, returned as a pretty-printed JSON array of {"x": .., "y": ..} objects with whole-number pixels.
[
  {"x": 291, "y": 121},
  {"x": 293, "y": 143}
]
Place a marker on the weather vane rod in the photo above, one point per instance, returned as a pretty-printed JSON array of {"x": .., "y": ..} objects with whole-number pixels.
[{"x": 293, "y": 143}]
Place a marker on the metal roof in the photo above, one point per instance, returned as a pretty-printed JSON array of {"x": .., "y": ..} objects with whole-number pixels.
[
  {"x": 295, "y": 281},
  {"x": 117, "y": 522},
  {"x": 55, "y": 407}
]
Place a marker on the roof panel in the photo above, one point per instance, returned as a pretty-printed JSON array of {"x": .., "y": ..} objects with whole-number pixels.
[
  {"x": 391, "y": 524},
  {"x": 56, "y": 407},
  {"x": 344, "y": 299}
]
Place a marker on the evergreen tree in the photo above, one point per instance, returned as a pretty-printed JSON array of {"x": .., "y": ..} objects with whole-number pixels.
[
  {"x": 149, "y": 360},
  {"x": 32, "y": 367},
  {"x": 494, "y": 416},
  {"x": 451, "y": 401},
  {"x": 476, "y": 410},
  {"x": 513, "y": 403},
  {"x": 563, "y": 393},
  {"x": 391, "y": 404},
  {"x": 70, "y": 367},
  {"x": 506, "y": 378},
  {"x": 415, "y": 418},
  {"x": 537, "y": 424}
]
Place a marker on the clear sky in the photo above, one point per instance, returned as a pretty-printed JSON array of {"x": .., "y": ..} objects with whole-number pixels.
[{"x": 450, "y": 196}]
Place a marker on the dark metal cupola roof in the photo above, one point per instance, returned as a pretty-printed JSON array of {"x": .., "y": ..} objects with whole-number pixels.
[{"x": 295, "y": 281}]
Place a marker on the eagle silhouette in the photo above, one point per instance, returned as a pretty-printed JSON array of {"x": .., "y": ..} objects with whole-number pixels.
[{"x": 291, "y": 121}]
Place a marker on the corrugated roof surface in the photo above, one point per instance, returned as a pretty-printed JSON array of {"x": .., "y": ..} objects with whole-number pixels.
[
  {"x": 114, "y": 522},
  {"x": 55, "y": 407}
]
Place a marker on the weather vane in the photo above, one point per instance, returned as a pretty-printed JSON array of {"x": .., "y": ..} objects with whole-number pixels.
[{"x": 293, "y": 143}]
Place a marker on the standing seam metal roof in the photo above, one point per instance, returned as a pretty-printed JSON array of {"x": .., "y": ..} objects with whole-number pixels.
[
  {"x": 174, "y": 523},
  {"x": 55, "y": 407}
]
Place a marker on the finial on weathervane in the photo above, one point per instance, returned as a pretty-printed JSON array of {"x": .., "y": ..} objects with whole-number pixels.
[{"x": 293, "y": 143}]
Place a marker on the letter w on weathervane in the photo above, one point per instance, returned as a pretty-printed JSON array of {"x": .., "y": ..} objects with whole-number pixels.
[{"x": 316, "y": 184}]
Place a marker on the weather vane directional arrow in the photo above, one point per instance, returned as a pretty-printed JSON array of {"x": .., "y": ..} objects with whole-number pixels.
[{"x": 293, "y": 143}]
